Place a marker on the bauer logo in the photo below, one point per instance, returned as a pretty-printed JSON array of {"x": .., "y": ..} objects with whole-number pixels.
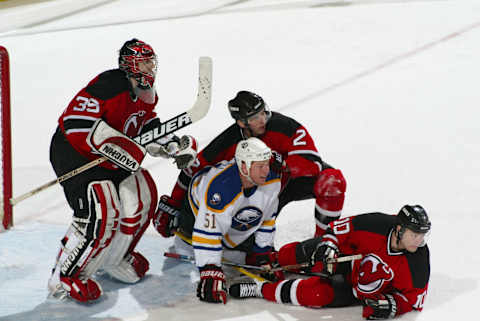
[
  {"x": 164, "y": 129},
  {"x": 246, "y": 218}
]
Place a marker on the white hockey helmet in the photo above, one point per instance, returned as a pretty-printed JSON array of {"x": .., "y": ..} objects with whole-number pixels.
[{"x": 251, "y": 150}]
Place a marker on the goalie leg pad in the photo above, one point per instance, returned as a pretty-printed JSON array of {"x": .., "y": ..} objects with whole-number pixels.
[
  {"x": 87, "y": 237},
  {"x": 116, "y": 146},
  {"x": 139, "y": 198},
  {"x": 86, "y": 242},
  {"x": 329, "y": 191}
]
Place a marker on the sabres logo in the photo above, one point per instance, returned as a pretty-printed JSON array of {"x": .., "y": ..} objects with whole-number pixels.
[{"x": 246, "y": 218}]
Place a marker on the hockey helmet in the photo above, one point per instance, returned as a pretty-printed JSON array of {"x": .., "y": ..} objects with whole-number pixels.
[
  {"x": 245, "y": 105},
  {"x": 415, "y": 218},
  {"x": 131, "y": 54},
  {"x": 251, "y": 150}
]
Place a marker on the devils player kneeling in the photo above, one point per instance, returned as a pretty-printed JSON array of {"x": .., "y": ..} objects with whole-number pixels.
[{"x": 390, "y": 279}]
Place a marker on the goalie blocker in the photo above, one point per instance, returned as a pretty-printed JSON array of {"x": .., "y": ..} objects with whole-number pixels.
[{"x": 116, "y": 146}]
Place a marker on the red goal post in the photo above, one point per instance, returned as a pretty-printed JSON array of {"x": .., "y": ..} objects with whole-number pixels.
[{"x": 5, "y": 143}]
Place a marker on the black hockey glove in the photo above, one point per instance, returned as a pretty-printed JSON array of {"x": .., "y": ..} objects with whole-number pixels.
[
  {"x": 383, "y": 307},
  {"x": 268, "y": 259},
  {"x": 326, "y": 250},
  {"x": 165, "y": 219},
  {"x": 211, "y": 287}
]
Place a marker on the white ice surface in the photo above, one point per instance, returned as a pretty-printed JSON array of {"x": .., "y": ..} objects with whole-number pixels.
[{"x": 388, "y": 89}]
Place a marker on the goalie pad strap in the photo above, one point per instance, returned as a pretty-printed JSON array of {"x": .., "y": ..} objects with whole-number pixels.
[{"x": 116, "y": 146}]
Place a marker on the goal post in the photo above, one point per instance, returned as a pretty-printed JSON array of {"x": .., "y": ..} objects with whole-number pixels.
[{"x": 6, "y": 218}]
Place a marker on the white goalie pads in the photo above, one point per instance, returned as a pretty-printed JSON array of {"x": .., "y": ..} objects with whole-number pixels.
[
  {"x": 85, "y": 245},
  {"x": 117, "y": 147},
  {"x": 138, "y": 195}
]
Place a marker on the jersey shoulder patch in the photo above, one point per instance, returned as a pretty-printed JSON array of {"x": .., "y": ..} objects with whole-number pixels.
[
  {"x": 378, "y": 223},
  {"x": 226, "y": 140},
  {"x": 108, "y": 84},
  {"x": 224, "y": 188},
  {"x": 283, "y": 124}
]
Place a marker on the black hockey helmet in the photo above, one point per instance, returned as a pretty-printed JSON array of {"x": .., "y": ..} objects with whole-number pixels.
[
  {"x": 415, "y": 218},
  {"x": 245, "y": 105}
]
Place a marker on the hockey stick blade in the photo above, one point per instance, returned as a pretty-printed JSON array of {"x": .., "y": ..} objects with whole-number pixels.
[{"x": 198, "y": 111}]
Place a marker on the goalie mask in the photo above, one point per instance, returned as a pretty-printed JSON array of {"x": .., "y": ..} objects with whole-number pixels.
[{"x": 139, "y": 62}]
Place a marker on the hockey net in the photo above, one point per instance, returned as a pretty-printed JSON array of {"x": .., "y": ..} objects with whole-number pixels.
[{"x": 5, "y": 143}]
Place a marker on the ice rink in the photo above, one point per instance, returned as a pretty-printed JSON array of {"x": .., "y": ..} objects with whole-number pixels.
[{"x": 388, "y": 90}]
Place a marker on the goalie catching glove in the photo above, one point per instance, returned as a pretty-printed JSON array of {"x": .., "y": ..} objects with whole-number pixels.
[
  {"x": 183, "y": 150},
  {"x": 212, "y": 285}
]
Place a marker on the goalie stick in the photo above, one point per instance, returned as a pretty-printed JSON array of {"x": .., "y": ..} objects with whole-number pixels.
[{"x": 198, "y": 111}]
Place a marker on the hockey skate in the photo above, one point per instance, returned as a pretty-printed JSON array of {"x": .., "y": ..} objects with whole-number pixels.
[{"x": 246, "y": 290}]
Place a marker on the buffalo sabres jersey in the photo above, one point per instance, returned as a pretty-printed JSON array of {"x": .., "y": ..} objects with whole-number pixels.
[
  {"x": 226, "y": 214},
  {"x": 108, "y": 96}
]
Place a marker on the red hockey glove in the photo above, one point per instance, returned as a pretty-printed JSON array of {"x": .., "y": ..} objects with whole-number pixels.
[
  {"x": 81, "y": 290},
  {"x": 165, "y": 219},
  {"x": 211, "y": 287},
  {"x": 383, "y": 307}
]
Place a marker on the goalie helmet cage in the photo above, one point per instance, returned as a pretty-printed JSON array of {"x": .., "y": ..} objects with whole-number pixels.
[{"x": 5, "y": 143}]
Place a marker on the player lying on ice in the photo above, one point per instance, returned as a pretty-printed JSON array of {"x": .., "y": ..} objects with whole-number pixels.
[
  {"x": 309, "y": 176},
  {"x": 390, "y": 279},
  {"x": 113, "y": 202},
  {"x": 229, "y": 211}
]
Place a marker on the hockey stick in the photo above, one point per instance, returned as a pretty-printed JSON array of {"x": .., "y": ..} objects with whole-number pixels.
[
  {"x": 239, "y": 267},
  {"x": 198, "y": 111},
  {"x": 191, "y": 259},
  {"x": 329, "y": 261}
]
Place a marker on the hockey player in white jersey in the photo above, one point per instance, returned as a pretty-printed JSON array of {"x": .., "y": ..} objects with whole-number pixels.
[{"x": 230, "y": 211}]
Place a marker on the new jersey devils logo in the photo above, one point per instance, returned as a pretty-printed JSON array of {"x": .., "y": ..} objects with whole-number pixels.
[
  {"x": 134, "y": 123},
  {"x": 373, "y": 275}
]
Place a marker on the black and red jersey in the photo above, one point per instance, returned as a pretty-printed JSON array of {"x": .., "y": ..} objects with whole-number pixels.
[
  {"x": 406, "y": 274},
  {"x": 283, "y": 135},
  {"x": 109, "y": 97}
]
